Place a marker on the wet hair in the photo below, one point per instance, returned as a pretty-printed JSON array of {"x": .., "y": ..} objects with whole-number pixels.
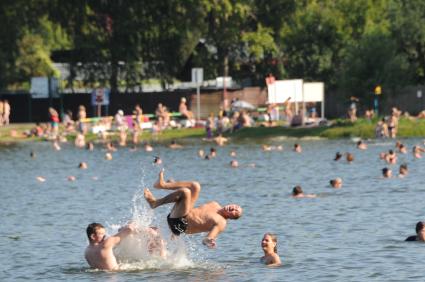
[
  {"x": 390, "y": 152},
  {"x": 274, "y": 239},
  {"x": 212, "y": 150},
  {"x": 419, "y": 226},
  {"x": 297, "y": 190},
  {"x": 337, "y": 156},
  {"x": 403, "y": 166},
  {"x": 359, "y": 142},
  {"x": 332, "y": 182},
  {"x": 92, "y": 228},
  {"x": 173, "y": 142},
  {"x": 385, "y": 170}
]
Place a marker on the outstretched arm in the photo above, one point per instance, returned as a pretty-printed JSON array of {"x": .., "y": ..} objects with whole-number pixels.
[
  {"x": 209, "y": 241},
  {"x": 122, "y": 233}
]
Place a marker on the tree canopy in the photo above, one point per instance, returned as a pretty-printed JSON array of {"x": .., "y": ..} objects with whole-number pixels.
[{"x": 350, "y": 45}]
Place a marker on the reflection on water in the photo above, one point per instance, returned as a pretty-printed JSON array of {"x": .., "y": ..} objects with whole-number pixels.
[{"x": 355, "y": 233}]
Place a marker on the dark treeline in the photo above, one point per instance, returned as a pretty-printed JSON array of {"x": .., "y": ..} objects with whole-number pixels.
[{"x": 350, "y": 45}]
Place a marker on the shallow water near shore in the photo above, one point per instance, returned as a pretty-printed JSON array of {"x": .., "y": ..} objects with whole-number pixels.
[{"x": 352, "y": 234}]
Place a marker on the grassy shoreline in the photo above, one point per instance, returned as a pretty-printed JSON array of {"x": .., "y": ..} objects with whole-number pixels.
[{"x": 365, "y": 129}]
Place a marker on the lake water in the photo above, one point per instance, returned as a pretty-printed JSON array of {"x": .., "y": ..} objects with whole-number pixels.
[{"x": 353, "y": 234}]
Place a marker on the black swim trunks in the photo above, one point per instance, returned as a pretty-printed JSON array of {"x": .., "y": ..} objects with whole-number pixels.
[{"x": 177, "y": 225}]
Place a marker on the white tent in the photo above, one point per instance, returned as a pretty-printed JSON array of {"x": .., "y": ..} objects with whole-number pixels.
[{"x": 299, "y": 92}]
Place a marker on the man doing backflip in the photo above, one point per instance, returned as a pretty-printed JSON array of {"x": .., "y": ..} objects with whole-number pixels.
[{"x": 185, "y": 217}]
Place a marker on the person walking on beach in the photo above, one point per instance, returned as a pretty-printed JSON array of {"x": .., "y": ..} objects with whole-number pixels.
[{"x": 185, "y": 217}]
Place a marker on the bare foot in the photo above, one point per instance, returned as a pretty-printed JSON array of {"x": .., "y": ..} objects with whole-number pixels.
[
  {"x": 160, "y": 183},
  {"x": 150, "y": 198}
]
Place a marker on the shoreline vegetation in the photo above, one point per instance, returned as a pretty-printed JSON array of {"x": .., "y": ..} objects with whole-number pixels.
[{"x": 337, "y": 129}]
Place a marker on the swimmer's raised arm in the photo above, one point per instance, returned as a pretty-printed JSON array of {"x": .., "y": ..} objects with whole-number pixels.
[
  {"x": 209, "y": 241},
  {"x": 122, "y": 233}
]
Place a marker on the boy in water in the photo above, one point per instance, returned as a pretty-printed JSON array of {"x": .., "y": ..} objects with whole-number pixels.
[{"x": 185, "y": 217}]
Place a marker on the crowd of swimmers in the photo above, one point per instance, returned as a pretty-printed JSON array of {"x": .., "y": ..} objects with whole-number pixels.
[{"x": 185, "y": 217}]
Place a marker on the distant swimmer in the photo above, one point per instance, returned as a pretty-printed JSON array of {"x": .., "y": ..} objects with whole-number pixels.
[
  {"x": 213, "y": 152},
  {"x": 232, "y": 153},
  {"x": 349, "y": 157},
  {"x": 234, "y": 163},
  {"x": 82, "y": 165},
  {"x": 387, "y": 173},
  {"x": 417, "y": 151},
  {"x": 108, "y": 156},
  {"x": 297, "y": 148},
  {"x": 33, "y": 155},
  {"x": 338, "y": 156},
  {"x": 420, "y": 233},
  {"x": 174, "y": 145},
  {"x": 220, "y": 140},
  {"x": 201, "y": 153},
  {"x": 185, "y": 217},
  {"x": 391, "y": 157},
  {"x": 110, "y": 147},
  {"x": 90, "y": 146},
  {"x": 403, "y": 171},
  {"x": 148, "y": 148},
  {"x": 361, "y": 145},
  {"x": 71, "y": 178},
  {"x": 400, "y": 147},
  {"x": 157, "y": 160},
  {"x": 269, "y": 246},
  {"x": 336, "y": 183},
  {"x": 297, "y": 192}
]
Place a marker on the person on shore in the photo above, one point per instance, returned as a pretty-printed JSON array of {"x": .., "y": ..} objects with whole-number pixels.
[
  {"x": 269, "y": 246},
  {"x": 420, "y": 233},
  {"x": 54, "y": 121},
  {"x": 185, "y": 217},
  {"x": 297, "y": 192},
  {"x": 336, "y": 183},
  {"x": 82, "y": 115},
  {"x": 6, "y": 112},
  {"x": 183, "y": 109}
]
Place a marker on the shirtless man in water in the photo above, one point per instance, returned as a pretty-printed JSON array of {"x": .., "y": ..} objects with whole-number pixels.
[
  {"x": 185, "y": 217},
  {"x": 99, "y": 253}
]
